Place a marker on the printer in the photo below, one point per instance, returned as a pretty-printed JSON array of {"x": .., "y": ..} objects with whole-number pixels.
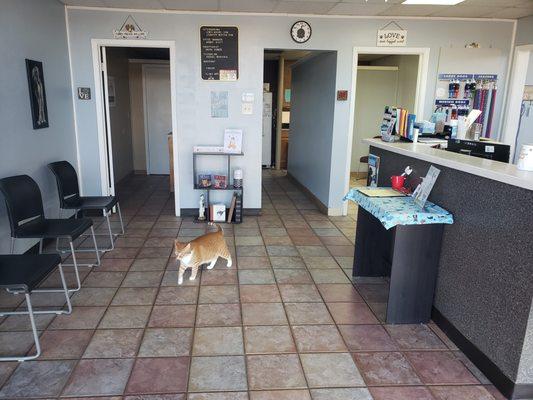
[{"x": 481, "y": 148}]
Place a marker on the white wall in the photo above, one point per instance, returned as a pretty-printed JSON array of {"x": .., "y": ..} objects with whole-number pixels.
[
  {"x": 137, "y": 117},
  {"x": 256, "y": 32},
  {"x": 312, "y": 109},
  {"x": 121, "y": 136},
  {"x": 524, "y": 31},
  {"x": 33, "y": 29}
]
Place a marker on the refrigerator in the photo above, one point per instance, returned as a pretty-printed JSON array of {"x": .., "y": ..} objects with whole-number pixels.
[{"x": 267, "y": 130}]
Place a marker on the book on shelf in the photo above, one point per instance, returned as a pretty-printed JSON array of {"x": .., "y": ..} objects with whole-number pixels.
[
  {"x": 232, "y": 207},
  {"x": 220, "y": 182},
  {"x": 204, "y": 180}
]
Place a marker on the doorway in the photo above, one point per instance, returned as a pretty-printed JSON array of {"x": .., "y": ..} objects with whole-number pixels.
[
  {"x": 135, "y": 98},
  {"x": 382, "y": 80}
]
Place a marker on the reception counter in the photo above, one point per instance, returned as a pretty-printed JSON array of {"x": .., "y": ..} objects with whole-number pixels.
[{"x": 484, "y": 289}]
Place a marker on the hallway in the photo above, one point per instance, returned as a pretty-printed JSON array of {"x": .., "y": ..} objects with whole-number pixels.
[{"x": 285, "y": 322}]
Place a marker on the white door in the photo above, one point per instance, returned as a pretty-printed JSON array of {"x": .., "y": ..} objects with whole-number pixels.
[
  {"x": 267, "y": 129},
  {"x": 157, "y": 117}
]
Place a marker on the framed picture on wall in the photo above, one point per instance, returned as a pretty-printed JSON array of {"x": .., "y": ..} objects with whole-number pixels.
[{"x": 39, "y": 110}]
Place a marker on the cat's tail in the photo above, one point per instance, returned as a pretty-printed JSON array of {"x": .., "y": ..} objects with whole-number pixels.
[{"x": 219, "y": 228}]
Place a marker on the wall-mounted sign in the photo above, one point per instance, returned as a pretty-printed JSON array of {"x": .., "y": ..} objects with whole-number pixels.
[
  {"x": 342, "y": 95},
  {"x": 392, "y": 38},
  {"x": 84, "y": 93},
  {"x": 219, "y": 47},
  {"x": 454, "y": 77},
  {"x": 449, "y": 102},
  {"x": 130, "y": 29}
]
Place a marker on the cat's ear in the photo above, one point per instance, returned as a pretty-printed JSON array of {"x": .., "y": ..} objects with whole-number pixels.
[
  {"x": 178, "y": 247},
  {"x": 187, "y": 248}
]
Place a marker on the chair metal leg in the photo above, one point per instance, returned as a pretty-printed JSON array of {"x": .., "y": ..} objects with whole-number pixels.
[
  {"x": 41, "y": 246},
  {"x": 111, "y": 237},
  {"x": 75, "y": 265},
  {"x": 95, "y": 247},
  {"x": 12, "y": 248},
  {"x": 120, "y": 218},
  {"x": 31, "y": 313}
]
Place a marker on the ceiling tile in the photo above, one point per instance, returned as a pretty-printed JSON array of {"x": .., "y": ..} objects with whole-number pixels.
[
  {"x": 248, "y": 5},
  {"x": 134, "y": 4},
  {"x": 358, "y": 9},
  {"x": 190, "y": 5},
  {"x": 300, "y": 7},
  {"x": 466, "y": 11},
  {"x": 503, "y": 3},
  {"x": 513, "y": 12},
  {"x": 85, "y": 3},
  {"x": 412, "y": 10}
]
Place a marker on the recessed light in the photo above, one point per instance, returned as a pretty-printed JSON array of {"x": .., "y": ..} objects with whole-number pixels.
[{"x": 434, "y": 2}]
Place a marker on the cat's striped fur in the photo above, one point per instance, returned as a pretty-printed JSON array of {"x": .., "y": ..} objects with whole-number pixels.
[{"x": 202, "y": 250}]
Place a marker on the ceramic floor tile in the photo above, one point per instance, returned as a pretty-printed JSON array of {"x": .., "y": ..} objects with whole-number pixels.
[
  {"x": 329, "y": 276},
  {"x": 38, "y": 379},
  {"x": 166, "y": 342},
  {"x": 142, "y": 279},
  {"x": 331, "y": 370},
  {"x": 22, "y": 322},
  {"x": 125, "y": 317},
  {"x": 292, "y": 276},
  {"x": 256, "y": 277},
  {"x": 461, "y": 392},
  {"x": 263, "y": 314},
  {"x": 64, "y": 344},
  {"x": 268, "y": 339},
  {"x": 99, "y": 378},
  {"x": 93, "y": 297},
  {"x": 352, "y": 313},
  {"x": 218, "y": 373},
  {"x": 415, "y": 337},
  {"x": 245, "y": 262},
  {"x": 291, "y": 394},
  {"x": 287, "y": 262},
  {"x": 367, "y": 338},
  {"x": 313, "y": 251},
  {"x": 81, "y": 318},
  {"x": 299, "y": 293},
  {"x": 134, "y": 297},
  {"x": 259, "y": 294},
  {"x": 249, "y": 241},
  {"x": 307, "y": 313},
  {"x": 177, "y": 295},
  {"x": 218, "y": 315},
  {"x": 317, "y": 262},
  {"x": 175, "y": 316},
  {"x": 440, "y": 367},
  {"x": 335, "y": 292},
  {"x": 158, "y": 375},
  {"x": 226, "y": 276},
  {"x": 114, "y": 343},
  {"x": 6, "y": 369},
  {"x": 386, "y": 368},
  {"x": 149, "y": 264},
  {"x": 280, "y": 371},
  {"x": 219, "y": 294},
  {"x": 318, "y": 338},
  {"x": 251, "y": 251},
  {"x": 218, "y": 396},
  {"x": 343, "y": 394},
  {"x": 218, "y": 341},
  {"x": 402, "y": 393}
]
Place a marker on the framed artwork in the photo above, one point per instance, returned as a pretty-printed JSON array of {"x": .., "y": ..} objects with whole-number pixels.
[
  {"x": 111, "y": 92},
  {"x": 233, "y": 140},
  {"x": 39, "y": 110}
]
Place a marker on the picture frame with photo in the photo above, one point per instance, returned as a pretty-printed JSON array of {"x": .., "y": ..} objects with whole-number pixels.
[
  {"x": 38, "y": 106},
  {"x": 233, "y": 141}
]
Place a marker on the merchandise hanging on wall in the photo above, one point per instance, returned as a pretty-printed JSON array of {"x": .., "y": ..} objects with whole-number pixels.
[
  {"x": 219, "y": 53},
  {"x": 39, "y": 110},
  {"x": 219, "y": 104}
]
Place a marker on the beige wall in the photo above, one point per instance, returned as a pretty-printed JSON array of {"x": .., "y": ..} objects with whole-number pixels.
[
  {"x": 137, "y": 118},
  {"x": 408, "y": 73}
]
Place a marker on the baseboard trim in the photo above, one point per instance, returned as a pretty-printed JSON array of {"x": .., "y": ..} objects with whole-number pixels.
[
  {"x": 192, "y": 212},
  {"x": 506, "y": 386},
  {"x": 321, "y": 206}
]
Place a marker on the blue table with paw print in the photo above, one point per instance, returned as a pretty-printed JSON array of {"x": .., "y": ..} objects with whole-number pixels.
[{"x": 396, "y": 238}]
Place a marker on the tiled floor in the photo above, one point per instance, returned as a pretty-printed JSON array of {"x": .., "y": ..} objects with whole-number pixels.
[{"x": 285, "y": 322}]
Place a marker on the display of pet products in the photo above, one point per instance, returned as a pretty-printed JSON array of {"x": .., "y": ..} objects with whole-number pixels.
[
  {"x": 398, "y": 123},
  {"x": 457, "y": 96}
]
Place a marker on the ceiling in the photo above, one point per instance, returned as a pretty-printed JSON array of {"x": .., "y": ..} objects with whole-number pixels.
[{"x": 467, "y": 9}]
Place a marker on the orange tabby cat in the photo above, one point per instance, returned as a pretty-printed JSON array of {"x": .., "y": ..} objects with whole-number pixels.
[{"x": 202, "y": 250}]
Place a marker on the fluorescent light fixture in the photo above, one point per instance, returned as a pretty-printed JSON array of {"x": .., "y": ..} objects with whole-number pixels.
[{"x": 434, "y": 2}]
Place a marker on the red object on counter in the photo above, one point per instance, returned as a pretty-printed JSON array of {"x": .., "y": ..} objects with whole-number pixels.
[{"x": 397, "y": 181}]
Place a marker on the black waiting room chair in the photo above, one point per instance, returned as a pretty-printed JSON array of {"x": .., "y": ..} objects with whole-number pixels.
[
  {"x": 21, "y": 274},
  {"x": 26, "y": 217},
  {"x": 70, "y": 199}
]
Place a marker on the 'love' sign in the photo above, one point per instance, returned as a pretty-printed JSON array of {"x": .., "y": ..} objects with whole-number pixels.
[{"x": 393, "y": 38}]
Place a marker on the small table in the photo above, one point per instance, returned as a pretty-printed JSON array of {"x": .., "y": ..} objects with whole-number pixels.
[{"x": 397, "y": 238}]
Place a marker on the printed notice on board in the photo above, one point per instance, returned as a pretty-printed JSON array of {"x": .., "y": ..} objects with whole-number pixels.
[{"x": 219, "y": 53}]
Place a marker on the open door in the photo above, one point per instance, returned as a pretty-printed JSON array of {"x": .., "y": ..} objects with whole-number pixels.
[{"x": 110, "y": 184}]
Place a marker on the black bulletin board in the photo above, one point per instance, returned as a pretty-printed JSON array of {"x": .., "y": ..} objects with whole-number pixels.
[{"x": 219, "y": 50}]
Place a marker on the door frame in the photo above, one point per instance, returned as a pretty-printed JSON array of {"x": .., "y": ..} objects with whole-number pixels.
[
  {"x": 105, "y": 151},
  {"x": 144, "y": 66},
  {"x": 420, "y": 96},
  {"x": 521, "y": 60}
]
